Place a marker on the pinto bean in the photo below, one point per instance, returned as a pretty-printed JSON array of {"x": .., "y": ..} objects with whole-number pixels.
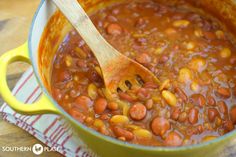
[
  {"x": 150, "y": 85},
  {"x": 181, "y": 94},
  {"x": 173, "y": 139},
  {"x": 175, "y": 113},
  {"x": 127, "y": 97},
  {"x": 193, "y": 115},
  {"x": 211, "y": 101},
  {"x": 83, "y": 103},
  {"x": 114, "y": 29},
  {"x": 222, "y": 107},
  {"x": 183, "y": 117},
  {"x": 228, "y": 126},
  {"x": 160, "y": 126},
  {"x": 233, "y": 114},
  {"x": 143, "y": 94},
  {"x": 212, "y": 114},
  {"x": 223, "y": 92},
  {"x": 137, "y": 111},
  {"x": 149, "y": 104},
  {"x": 100, "y": 105},
  {"x": 198, "y": 99},
  {"x": 79, "y": 116},
  {"x": 120, "y": 132}
]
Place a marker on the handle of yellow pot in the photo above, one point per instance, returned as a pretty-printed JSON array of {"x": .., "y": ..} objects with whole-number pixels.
[{"x": 43, "y": 105}]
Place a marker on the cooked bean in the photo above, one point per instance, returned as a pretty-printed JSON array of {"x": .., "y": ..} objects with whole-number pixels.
[
  {"x": 92, "y": 91},
  {"x": 173, "y": 139},
  {"x": 132, "y": 127},
  {"x": 183, "y": 117},
  {"x": 200, "y": 128},
  {"x": 100, "y": 105},
  {"x": 194, "y": 86},
  {"x": 198, "y": 33},
  {"x": 142, "y": 134},
  {"x": 175, "y": 113},
  {"x": 143, "y": 58},
  {"x": 103, "y": 130},
  {"x": 225, "y": 53},
  {"x": 150, "y": 85},
  {"x": 212, "y": 114},
  {"x": 83, "y": 103},
  {"x": 198, "y": 99},
  {"x": 160, "y": 126},
  {"x": 223, "y": 92},
  {"x": 170, "y": 31},
  {"x": 169, "y": 97},
  {"x": 211, "y": 101},
  {"x": 190, "y": 46},
  {"x": 228, "y": 126},
  {"x": 119, "y": 119},
  {"x": 127, "y": 97},
  {"x": 120, "y": 132},
  {"x": 98, "y": 123},
  {"x": 68, "y": 60},
  {"x": 197, "y": 64},
  {"x": 65, "y": 76},
  {"x": 113, "y": 106},
  {"x": 222, "y": 107},
  {"x": 193, "y": 115},
  {"x": 114, "y": 29},
  {"x": 181, "y": 23},
  {"x": 137, "y": 111},
  {"x": 149, "y": 104},
  {"x": 181, "y": 94},
  {"x": 185, "y": 75},
  {"x": 77, "y": 115},
  {"x": 143, "y": 94},
  {"x": 233, "y": 114},
  {"x": 89, "y": 120}
]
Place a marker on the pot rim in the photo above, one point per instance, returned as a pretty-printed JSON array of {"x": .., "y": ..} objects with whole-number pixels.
[{"x": 99, "y": 135}]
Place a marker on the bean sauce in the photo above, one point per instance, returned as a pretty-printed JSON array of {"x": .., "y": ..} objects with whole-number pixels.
[{"x": 190, "y": 52}]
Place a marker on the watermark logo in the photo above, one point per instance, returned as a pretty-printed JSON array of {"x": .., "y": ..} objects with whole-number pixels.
[{"x": 37, "y": 149}]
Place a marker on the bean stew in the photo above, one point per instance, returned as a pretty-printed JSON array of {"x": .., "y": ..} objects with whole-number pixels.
[{"x": 191, "y": 53}]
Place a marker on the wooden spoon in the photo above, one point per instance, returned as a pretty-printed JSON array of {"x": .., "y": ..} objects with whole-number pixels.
[{"x": 119, "y": 72}]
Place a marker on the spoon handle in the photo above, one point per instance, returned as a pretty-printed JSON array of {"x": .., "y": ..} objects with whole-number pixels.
[{"x": 102, "y": 50}]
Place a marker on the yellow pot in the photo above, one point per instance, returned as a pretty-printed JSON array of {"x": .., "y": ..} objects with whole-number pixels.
[{"x": 56, "y": 26}]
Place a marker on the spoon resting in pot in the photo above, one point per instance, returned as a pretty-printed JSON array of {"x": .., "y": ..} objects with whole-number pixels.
[{"x": 119, "y": 72}]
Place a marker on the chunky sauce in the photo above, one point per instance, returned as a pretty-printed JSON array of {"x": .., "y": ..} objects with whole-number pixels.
[{"x": 191, "y": 54}]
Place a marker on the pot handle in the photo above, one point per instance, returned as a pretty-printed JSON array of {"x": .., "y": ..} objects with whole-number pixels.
[{"x": 43, "y": 105}]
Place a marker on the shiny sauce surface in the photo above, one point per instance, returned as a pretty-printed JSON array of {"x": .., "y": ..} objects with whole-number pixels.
[{"x": 192, "y": 55}]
